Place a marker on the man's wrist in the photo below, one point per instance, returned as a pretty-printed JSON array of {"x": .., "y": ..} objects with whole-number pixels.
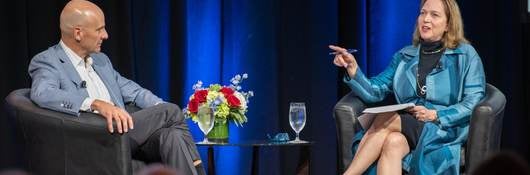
[
  {"x": 96, "y": 104},
  {"x": 86, "y": 105}
]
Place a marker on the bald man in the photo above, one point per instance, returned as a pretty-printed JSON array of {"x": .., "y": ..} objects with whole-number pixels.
[{"x": 74, "y": 77}]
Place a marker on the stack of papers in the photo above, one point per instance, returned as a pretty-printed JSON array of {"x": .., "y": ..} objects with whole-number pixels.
[{"x": 369, "y": 114}]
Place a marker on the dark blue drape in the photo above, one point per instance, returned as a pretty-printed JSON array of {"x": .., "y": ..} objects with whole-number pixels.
[
  {"x": 241, "y": 37},
  {"x": 390, "y": 28},
  {"x": 151, "y": 46},
  {"x": 283, "y": 48}
]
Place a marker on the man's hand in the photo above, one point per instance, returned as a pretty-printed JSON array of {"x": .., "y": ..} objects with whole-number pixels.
[
  {"x": 423, "y": 114},
  {"x": 344, "y": 59},
  {"x": 110, "y": 112}
]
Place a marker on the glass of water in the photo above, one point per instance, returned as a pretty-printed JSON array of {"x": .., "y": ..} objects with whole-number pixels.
[
  {"x": 206, "y": 118},
  {"x": 297, "y": 118}
]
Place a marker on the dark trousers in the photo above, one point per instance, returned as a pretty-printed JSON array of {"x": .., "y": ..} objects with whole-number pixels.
[{"x": 160, "y": 134}]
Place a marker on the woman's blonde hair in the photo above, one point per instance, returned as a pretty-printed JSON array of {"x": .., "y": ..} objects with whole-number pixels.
[{"x": 455, "y": 28}]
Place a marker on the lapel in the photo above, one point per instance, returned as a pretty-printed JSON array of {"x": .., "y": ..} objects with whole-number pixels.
[
  {"x": 443, "y": 64},
  {"x": 411, "y": 66},
  {"x": 98, "y": 66},
  {"x": 68, "y": 66},
  {"x": 449, "y": 58},
  {"x": 105, "y": 75}
]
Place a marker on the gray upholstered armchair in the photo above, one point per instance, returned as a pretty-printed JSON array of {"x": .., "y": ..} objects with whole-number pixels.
[
  {"x": 57, "y": 143},
  {"x": 484, "y": 132}
]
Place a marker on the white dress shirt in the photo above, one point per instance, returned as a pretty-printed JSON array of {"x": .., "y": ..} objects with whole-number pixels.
[{"x": 95, "y": 87}]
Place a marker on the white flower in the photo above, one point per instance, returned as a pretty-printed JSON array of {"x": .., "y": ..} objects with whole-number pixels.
[
  {"x": 197, "y": 85},
  {"x": 242, "y": 100}
]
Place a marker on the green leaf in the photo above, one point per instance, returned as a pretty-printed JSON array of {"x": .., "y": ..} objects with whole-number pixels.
[{"x": 215, "y": 87}]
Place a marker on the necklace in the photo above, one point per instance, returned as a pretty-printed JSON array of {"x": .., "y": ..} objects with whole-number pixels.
[
  {"x": 432, "y": 52},
  {"x": 423, "y": 89}
]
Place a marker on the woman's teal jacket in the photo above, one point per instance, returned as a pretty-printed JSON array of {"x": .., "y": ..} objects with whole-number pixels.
[{"x": 454, "y": 87}]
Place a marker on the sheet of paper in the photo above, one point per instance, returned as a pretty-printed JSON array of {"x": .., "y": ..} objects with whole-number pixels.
[
  {"x": 389, "y": 108},
  {"x": 366, "y": 120},
  {"x": 369, "y": 114}
]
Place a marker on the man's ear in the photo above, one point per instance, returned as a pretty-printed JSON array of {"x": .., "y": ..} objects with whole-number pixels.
[{"x": 78, "y": 34}]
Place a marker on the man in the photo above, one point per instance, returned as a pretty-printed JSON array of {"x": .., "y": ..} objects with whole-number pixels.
[{"x": 74, "y": 77}]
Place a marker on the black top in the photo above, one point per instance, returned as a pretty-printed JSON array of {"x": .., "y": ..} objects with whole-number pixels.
[{"x": 430, "y": 54}]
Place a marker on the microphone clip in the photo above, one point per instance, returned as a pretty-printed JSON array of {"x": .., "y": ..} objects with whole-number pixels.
[{"x": 439, "y": 66}]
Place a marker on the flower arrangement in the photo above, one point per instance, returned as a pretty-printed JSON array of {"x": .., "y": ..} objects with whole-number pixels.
[{"x": 228, "y": 102}]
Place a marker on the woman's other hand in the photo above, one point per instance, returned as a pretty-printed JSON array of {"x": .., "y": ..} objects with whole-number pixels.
[
  {"x": 423, "y": 114},
  {"x": 344, "y": 59}
]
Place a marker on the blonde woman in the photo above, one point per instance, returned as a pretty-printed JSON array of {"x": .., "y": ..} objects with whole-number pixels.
[{"x": 443, "y": 75}]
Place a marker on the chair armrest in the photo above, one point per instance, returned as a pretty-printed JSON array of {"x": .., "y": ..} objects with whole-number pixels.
[
  {"x": 59, "y": 143},
  {"x": 485, "y": 127},
  {"x": 345, "y": 113}
]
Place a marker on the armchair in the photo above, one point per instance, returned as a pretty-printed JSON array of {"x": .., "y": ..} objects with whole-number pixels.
[
  {"x": 57, "y": 143},
  {"x": 484, "y": 131}
]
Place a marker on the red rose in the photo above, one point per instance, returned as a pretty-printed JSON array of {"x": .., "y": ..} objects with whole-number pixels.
[
  {"x": 200, "y": 95},
  {"x": 227, "y": 91},
  {"x": 193, "y": 106},
  {"x": 233, "y": 101}
]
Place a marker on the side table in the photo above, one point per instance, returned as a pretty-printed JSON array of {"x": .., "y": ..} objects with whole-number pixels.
[{"x": 302, "y": 168}]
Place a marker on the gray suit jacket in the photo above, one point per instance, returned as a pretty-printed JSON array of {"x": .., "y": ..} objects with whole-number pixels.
[{"x": 57, "y": 85}]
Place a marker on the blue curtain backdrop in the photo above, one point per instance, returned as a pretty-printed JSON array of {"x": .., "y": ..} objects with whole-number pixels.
[
  {"x": 282, "y": 46},
  {"x": 378, "y": 28},
  {"x": 167, "y": 45},
  {"x": 391, "y": 25}
]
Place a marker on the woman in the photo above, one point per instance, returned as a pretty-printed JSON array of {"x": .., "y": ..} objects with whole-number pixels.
[{"x": 443, "y": 75}]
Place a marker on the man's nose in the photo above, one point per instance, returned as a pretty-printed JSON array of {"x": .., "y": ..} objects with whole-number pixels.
[{"x": 105, "y": 35}]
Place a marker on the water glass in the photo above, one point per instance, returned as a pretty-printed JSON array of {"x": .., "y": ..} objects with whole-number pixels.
[
  {"x": 297, "y": 119},
  {"x": 206, "y": 120}
]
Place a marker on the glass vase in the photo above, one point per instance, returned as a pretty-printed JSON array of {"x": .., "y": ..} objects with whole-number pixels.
[{"x": 219, "y": 133}]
